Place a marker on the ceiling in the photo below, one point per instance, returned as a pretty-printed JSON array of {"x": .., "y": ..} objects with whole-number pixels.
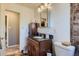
[{"x": 31, "y": 5}]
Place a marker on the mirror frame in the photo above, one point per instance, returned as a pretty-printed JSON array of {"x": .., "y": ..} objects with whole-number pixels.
[{"x": 44, "y": 21}]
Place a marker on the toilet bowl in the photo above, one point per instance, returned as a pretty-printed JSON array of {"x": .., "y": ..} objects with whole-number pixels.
[{"x": 61, "y": 50}]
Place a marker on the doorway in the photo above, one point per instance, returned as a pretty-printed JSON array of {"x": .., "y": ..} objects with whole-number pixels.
[{"x": 12, "y": 28}]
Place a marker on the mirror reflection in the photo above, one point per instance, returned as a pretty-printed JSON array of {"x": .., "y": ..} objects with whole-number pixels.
[{"x": 44, "y": 18}]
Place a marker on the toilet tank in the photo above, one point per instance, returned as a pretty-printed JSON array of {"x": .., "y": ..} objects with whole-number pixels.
[{"x": 62, "y": 50}]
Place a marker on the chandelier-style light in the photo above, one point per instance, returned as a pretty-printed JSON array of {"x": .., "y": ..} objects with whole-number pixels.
[{"x": 44, "y": 6}]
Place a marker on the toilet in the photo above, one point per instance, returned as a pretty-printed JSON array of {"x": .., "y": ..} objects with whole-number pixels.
[{"x": 61, "y": 50}]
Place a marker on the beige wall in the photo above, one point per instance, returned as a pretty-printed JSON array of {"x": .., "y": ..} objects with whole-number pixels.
[
  {"x": 26, "y": 15},
  {"x": 37, "y": 16},
  {"x": 59, "y": 20}
]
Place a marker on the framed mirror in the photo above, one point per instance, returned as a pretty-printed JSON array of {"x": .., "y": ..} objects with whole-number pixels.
[{"x": 44, "y": 18}]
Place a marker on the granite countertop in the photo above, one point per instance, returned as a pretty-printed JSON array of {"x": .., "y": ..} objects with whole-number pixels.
[{"x": 38, "y": 39}]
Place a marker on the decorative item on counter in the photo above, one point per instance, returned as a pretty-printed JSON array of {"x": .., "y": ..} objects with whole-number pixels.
[
  {"x": 50, "y": 36},
  {"x": 66, "y": 43}
]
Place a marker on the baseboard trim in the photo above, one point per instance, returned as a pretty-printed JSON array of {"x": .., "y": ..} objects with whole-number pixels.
[{"x": 12, "y": 46}]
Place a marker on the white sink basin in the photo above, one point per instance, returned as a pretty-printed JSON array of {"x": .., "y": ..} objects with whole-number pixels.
[{"x": 37, "y": 37}]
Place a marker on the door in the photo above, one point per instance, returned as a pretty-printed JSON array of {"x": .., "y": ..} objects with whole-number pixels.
[{"x": 12, "y": 28}]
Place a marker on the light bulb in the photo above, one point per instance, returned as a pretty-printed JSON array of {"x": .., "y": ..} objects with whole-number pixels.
[
  {"x": 42, "y": 7},
  {"x": 46, "y": 4},
  {"x": 39, "y": 9}
]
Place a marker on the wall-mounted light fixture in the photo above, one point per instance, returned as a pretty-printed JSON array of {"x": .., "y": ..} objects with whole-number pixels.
[{"x": 44, "y": 6}]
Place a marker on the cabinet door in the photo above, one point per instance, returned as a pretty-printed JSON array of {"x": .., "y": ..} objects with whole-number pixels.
[
  {"x": 34, "y": 50},
  {"x": 33, "y": 47},
  {"x": 45, "y": 46}
]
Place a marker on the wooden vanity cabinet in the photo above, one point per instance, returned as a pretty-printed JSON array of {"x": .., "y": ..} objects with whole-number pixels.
[
  {"x": 33, "y": 47},
  {"x": 39, "y": 48}
]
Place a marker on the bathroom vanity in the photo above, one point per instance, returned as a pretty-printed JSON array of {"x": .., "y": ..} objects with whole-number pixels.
[
  {"x": 39, "y": 47},
  {"x": 39, "y": 41}
]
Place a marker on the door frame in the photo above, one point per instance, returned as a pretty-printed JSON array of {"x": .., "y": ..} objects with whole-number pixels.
[{"x": 8, "y": 31}]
